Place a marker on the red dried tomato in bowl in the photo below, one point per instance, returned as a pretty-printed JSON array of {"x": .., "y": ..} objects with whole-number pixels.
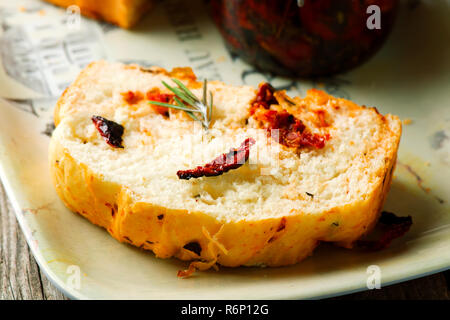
[{"x": 304, "y": 38}]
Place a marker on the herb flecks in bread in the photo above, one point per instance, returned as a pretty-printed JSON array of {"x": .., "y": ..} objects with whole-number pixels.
[{"x": 239, "y": 212}]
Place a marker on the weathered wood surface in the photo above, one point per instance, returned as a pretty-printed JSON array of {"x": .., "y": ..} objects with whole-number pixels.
[{"x": 20, "y": 277}]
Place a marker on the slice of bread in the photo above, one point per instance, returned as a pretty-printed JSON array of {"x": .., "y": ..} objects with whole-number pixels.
[
  {"x": 124, "y": 13},
  {"x": 273, "y": 210}
]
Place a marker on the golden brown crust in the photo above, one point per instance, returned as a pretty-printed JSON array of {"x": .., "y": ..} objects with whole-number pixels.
[{"x": 124, "y": 13}]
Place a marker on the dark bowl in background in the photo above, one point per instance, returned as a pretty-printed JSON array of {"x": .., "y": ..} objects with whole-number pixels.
[{"x": 302, "y": 38}]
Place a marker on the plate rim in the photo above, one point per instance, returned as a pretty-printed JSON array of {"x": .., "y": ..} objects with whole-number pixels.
[{"x": 76, "y": 295}]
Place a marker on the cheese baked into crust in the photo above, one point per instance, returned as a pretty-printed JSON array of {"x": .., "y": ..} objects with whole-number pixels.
[{"x": 273, "y": 210}]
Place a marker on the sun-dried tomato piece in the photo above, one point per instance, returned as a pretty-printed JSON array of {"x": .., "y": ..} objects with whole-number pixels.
[
  {"x": 305, "y": 139},
  {"x": 156, "y": 95},
  {"x": 110, "y": 130},
  {"x": 394, "y": 227},
  {"x": 186, "y": 273},
  {"x": 291, "y": 131},
  {"x": 224, "y": 163},
  {"x": 321, "y": 115},
  {"x": 132, "y": 97},
  {"x": 264, "y": 97},
  {"x": 281, "y": 120}
]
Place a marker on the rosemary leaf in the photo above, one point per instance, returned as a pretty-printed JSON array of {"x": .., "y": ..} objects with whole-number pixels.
[
  {"x": 168, "y": 105},
  {"x": 180, "y": 94},
  {"x": 210, "y": 106},
  {"x": 205, "y": 103},
  {"x": 180, "y": 103},
  {"x": 185, "y": 100},
  {"x": 190, "y": 114},
  {"x": 185, "y": 89}
]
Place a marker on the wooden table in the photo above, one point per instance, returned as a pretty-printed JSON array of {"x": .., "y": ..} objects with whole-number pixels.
[{"x": 20, "y": 277}]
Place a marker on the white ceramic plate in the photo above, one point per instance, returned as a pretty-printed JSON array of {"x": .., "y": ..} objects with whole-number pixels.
[{"x": 410, "y": 77}]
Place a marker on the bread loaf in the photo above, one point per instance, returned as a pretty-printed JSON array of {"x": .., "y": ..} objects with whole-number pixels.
[
  {"x": 124, "y": 13},
  {"x": 273, "y": 210}
]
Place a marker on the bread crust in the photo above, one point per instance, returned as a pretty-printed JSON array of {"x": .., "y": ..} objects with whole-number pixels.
[
  {"x": 124, "y": 13},
  {"x": 270, "y": 242}
]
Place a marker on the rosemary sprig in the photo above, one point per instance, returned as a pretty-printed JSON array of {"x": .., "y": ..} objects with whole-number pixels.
[{"x": 199, "y": 110}]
